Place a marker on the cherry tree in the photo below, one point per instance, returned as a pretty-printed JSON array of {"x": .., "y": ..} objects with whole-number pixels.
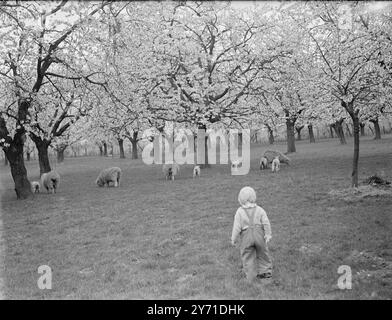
[
  {"x": 287, "y": 96},
  {"x": 267, "y": 115},
  {"x": 377, "y": 22},
  {"x": 54, "y": 111},
  {"x": 121, "y": 109},
  {"x": 35, "y": 38},
  {"x": 210, "y": 58},
  {"x": 288, "y": 86},
  {"x": 348, "y": 55}
]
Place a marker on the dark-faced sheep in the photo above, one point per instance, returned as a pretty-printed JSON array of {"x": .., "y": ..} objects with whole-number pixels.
[
  {"x": 196, "y": 171},
  {"x": 170, "y": 170},
  {"x": 35, "y": 187},
  {"x": 263, "y": 163}
]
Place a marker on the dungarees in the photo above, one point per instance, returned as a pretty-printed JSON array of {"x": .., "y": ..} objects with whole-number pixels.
[{"x": 254, "y": 251}]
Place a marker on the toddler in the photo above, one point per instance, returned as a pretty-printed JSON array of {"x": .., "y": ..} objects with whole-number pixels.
[{"x": 251, "y": 224}]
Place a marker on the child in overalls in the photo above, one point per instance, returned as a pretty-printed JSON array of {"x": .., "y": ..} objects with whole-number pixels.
[{"x": 252, "y": 224}]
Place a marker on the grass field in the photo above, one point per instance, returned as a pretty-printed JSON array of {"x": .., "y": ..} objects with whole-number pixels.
[{"x": 154, "y": 239}]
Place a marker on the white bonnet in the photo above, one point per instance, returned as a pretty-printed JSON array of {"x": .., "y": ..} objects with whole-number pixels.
[{"x": 247, "y": 197}]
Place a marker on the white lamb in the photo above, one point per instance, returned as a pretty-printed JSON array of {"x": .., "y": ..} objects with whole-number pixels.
[
  {"x": 235, "y": 165},
  {"x": 108, "y": 175},
  {"x": 196, "y": 171},
  {"x": 170, "y": 170},
  {"x": 35, "y": 186},
  {"x": 275, "y": 164},
  {"x": 50, "y": 181}
]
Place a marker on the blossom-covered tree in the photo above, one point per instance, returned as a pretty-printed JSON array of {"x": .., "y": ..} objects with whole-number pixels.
[
  {"x": 38, "y": 39},
  {"x": 211, "y": 59},
  {"x": 348, "y": 58}
]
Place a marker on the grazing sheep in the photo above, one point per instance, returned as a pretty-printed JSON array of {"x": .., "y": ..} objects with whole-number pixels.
[
  {"x": 35, "y": 187},
  {"x": 272, "y": 154},
  {"x": 275, "y": 164},
  {"x": 196, "y": 171},
  {"x": 263, "y": 163},
  {"x": 108, "y": 175},
  {"x": 50, "y": 181},
  {"x": 170, "y": 170}
]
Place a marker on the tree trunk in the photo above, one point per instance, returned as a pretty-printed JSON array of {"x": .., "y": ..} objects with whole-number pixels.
[
  {"x": 121, "y": 147},
  {"x": 290, "y": 135},
  {"x": 338, "y": 127},
  {"x": 14, "y": 151},
  {"x": 133, "y": 139},
  {"x": 206, "y": 164},
  {"x": 105, "y": 149},
  {"x": 5, "y": 159},
  {"x": 356, "y": 150},
  {"x": 134, "y": 149},
  {"x": 253, "y": 138},
  {"x": 362, "y": 127},
  {"x": 334, "y": 127},
  {"x": 341, "y": 134},
  {"x": 271, "y": 138},
  {"x": 311, "y": 133},
  {"x": 100, "y": 150},
  {"x": 43, "y": 157},
  {"x": 60, "y": 155},
  {"x": 299, "y": 129},
  {"x": 15, "y": 157},
  {"x": 377, "y": 130},
  {"x": 28, "y": 155},
  {"x": 348, "y": 130},
  {"x": 331, "y": 129}
]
